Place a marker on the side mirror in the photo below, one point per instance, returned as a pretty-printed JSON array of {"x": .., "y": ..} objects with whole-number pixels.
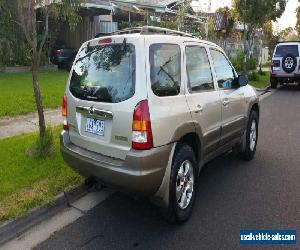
[{"x": 242, "y": 80}]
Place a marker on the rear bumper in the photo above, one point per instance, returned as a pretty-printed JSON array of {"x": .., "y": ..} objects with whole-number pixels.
[
  {"x": 140, "y": 173},
  {"x": 285, "y": 78}
]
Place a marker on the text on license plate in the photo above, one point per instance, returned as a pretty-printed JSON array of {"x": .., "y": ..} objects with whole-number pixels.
[{"x": 95, "y": 126}]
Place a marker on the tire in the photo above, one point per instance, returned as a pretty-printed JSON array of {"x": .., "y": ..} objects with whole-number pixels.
[
  {"x": 289, "y": 63},
  {"x": 178, "y": 210},
  {"x": 250, "y": 138},
  {"x": 274, "y": 83}
]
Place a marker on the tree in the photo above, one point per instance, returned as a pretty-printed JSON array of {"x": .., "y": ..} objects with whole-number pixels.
[
  {"x": 27, "y": 12},
  {"x": 270, "y": 39},
  {"x": 181, "y": 12},
  {"x": 254, "y": 14},
  {"x": 288, "y": 34},
  {"x": 297, "y": 27}
]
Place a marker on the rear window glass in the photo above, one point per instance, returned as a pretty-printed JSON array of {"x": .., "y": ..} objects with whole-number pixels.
[
  {"x": 283, "y": 50},
  {"x": 104, "y": 73},
  {"x": 165, "y": 69}
]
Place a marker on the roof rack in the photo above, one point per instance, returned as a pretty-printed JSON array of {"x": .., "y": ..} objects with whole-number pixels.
[
  {"x": 289, "y": 42},
  {"x": 150, "y": 30}
]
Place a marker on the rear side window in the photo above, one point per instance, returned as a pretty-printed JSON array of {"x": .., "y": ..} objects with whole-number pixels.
[
  {"x": 104, "y": 73},
  {"x": 165, "y": 70},
  {"x": 283, "y": 50},
  {"x": 198, "y": 69}
]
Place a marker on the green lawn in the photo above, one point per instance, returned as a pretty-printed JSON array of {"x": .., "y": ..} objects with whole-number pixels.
[
  {"x": 27, "y": 182},
  {"x": 262, "y": 81},
  {"x": 16, "y": 92}
]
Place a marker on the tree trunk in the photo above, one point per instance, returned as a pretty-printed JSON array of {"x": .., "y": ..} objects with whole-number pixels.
[
  {"x": 37, "y": 94},
  {"x": 34, "y": 71},
  {"x": 245, "y": 50}
]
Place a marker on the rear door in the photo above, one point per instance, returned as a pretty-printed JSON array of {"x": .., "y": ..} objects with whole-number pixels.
[
  {"x": 232, "y": 97},
  {"x": 202, "y": 96},
  {"x": 105, "y": 86}
]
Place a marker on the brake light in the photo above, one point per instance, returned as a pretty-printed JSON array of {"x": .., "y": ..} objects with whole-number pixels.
[
  {"x": 105, "y": 40},
  {"x": 58, "y": 52},
  {"x": 141, "y": 127},
  {"x": 64, "y": 113}
]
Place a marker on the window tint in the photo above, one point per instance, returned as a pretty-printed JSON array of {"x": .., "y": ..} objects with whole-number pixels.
[
  {"x": 198, "y": 69},
  {"x": 165, "y": 69},
  {"x": 104, "y": 73},
  {"x": 283, "y": 50},
  {"x": 224, "y": 71}
]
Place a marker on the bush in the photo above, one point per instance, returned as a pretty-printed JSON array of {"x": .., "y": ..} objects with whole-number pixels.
[
  {"x": 251, "y": 63},
  {"x": 238, "y": 62},
  {"x": 44, "y": 146},
  {"x": 262, "y": 73},
  {"x": 253, "y": 76},
  {"x": 13, "y": 54}
]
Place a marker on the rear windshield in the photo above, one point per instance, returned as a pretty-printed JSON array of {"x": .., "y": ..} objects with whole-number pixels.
[
  {"x": 104, "y": 73},
  {"x": 283, "y": 50}
]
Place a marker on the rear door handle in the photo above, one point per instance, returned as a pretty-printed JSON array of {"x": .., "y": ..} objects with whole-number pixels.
[
  {"x": 199, "y": 108},
  {"x": 226, "y": 102}
]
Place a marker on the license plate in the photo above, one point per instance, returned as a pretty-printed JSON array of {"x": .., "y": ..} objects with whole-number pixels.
[{"x": 95, "y": 126}]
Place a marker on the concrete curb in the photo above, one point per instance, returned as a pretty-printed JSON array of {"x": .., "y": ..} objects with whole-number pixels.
[{"x": 15, "y": 228}]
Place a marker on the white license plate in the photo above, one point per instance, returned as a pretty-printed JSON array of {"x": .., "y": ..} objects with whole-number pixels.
[
  {"x": 276, "y": 68},
  {"x": 95, "y": 126}
]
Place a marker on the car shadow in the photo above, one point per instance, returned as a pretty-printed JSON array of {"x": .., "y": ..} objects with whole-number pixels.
[{"x": 289, "y": 87}]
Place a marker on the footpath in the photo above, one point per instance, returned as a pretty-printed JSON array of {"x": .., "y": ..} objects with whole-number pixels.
[{"x": 12, "y": 126}]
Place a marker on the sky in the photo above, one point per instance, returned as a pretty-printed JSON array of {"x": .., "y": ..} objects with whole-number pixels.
[{"x": 288, "y": 19}]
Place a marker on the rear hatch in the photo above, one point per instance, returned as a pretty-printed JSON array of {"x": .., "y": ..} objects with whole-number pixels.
[
  {"x": 103, "y": 90},
  {"x": 286, "y": 59}
]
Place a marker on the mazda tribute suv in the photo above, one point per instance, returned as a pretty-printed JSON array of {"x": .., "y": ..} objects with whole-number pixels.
[{"x": 146, "y": 108}]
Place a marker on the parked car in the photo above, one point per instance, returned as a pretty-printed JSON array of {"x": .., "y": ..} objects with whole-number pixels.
[
  {"x": 145, "y": 111},
  {"x": 62, "y": 54},
  {"x": 286, "y": 64}
]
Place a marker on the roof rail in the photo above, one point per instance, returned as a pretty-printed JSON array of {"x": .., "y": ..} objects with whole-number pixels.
[{"x": 150, "y": 30}]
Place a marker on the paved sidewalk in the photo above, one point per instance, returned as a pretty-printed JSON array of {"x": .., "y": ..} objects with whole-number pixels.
[{"x": 11, "y": 126}]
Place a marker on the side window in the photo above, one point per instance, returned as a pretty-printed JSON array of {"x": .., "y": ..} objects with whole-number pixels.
[
  {"x": 224, "y": 71},
  {"x": 165, "y": 69},
  {"x": 198, "y": 69}
]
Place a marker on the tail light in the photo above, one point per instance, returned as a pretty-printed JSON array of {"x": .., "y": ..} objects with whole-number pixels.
[
  {"x": 58, "y": 52},
  {"x": 141, "y": 127},
  {"x": 64, "y": 113}
]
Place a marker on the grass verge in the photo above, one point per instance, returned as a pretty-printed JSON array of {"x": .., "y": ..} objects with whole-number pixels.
[
  {"x": 27, "y": 182},
  {"x": 262, "y": 81},
  {"x": 16, "y": 91}
]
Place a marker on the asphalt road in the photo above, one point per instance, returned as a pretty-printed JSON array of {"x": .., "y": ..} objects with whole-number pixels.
[{"x": 232, "y": 195}]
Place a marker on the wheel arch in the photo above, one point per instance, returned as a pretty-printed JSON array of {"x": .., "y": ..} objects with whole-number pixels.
[
  {"x": 255, "y": 107},
  {"x": 192, "y": 140},
  {"x": 161, "y": 198}
]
